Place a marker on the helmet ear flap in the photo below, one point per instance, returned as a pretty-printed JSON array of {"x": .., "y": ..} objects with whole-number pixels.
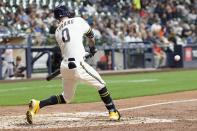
[
  {"x": 56, "y": 14},
  {"x": 71, "y": 14}
]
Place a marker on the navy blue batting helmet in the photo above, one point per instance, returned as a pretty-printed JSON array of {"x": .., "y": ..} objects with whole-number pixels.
[{"x": 63, "y": 11}]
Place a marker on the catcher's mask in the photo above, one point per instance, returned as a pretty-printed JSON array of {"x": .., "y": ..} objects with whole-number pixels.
[{"x": 63, "y": 11}]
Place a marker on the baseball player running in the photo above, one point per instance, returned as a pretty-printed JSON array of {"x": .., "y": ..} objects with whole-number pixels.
[{"x": 69, "y": 35}]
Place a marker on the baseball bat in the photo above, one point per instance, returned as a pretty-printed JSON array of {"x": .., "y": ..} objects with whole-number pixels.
[
  {"x": 57, "y": 72},
  {"x": 53, "y": 75}
]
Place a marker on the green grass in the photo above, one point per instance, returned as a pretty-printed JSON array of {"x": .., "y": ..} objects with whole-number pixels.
[{"x": 120, "y": 86}]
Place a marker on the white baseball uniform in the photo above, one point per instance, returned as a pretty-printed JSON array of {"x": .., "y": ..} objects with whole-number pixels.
[
  {"x": 69, "y": 36},
  {"x": 8, "y": 63}
]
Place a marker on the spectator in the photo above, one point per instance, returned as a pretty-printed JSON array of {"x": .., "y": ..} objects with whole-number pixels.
[
  {"x": 19, "y": 67},
  {"x": 102, "y": 64},
  {"x": 8, "y": 63},
  {"x": 159, "y": 56},
  {"x": 4, "y": 66}
]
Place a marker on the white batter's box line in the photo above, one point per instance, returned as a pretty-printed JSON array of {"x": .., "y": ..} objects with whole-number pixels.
[{"x": 79, "y": 119}]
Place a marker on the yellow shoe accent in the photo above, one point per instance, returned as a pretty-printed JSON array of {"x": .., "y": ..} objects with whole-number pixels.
[
  {"x": 114, "y": 115},
  {"x": 34, "y": 107}
]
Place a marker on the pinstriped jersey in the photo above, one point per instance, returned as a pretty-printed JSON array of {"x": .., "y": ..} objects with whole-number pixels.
[{"x": 69, "y": 35}]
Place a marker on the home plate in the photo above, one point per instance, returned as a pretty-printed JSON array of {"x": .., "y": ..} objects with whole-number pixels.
[{"x": 80, "y": 119}]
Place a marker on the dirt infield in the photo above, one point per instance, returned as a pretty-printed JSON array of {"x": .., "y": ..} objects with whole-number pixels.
[{"x": 171, "y": 112}]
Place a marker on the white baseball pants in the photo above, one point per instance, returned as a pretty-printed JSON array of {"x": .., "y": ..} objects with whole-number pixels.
[{"x": 83, "y": 72}]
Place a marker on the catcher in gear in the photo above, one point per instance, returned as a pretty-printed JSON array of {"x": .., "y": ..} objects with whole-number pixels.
[{"x": 69, "y": 35}]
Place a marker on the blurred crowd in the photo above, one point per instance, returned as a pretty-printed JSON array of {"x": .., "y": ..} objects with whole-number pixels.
[
  {"x": 114, "y": 21},
  {"x": 161, "y": 22}
]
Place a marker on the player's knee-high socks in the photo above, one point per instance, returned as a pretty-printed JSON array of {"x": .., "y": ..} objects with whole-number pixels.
[
  {"x": 59, "y": 99},
  {"x": 106, "y": 98}
]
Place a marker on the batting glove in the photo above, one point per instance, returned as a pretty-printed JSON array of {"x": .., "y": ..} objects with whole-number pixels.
[{"x": 93, "y": 50}]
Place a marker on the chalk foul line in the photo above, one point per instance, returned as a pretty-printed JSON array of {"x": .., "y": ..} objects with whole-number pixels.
[{"x": 158, "y": 104}]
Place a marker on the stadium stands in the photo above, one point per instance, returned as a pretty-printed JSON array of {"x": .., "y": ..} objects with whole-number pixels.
[
  {"x": 114, "y": 20},
  {"x": 166, "y": 23}
]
